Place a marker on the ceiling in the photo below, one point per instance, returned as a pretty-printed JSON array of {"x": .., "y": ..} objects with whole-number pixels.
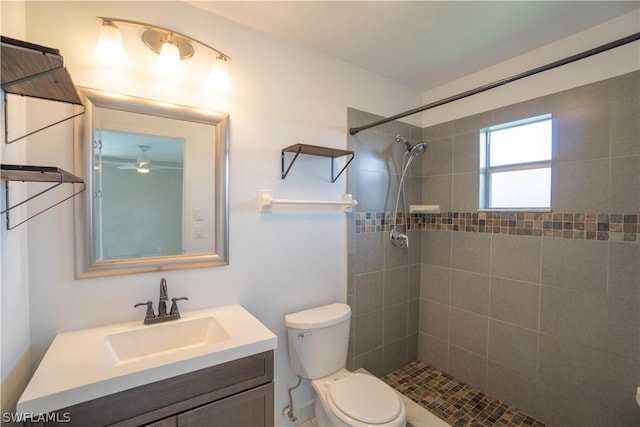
[{"x": 420, "y": 44}]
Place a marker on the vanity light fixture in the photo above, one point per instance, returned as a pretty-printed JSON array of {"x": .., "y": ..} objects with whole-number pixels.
[
  {"x": 110, "y": 49},
  {"x": 170, "y": 45}
]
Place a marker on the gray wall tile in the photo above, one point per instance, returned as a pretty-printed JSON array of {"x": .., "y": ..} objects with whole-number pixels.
[
  {"x": 583, "y": 132},
  {"x": 468, "y": 367},
  {"x": 625, "y": 185},
  {"x": 515, "y": 302},
  {"x": 513, "y": 347},
  {"x": 511, "y": 387},
  {"x": 368, "y": 292},
  {"x": 471, "y": 252},
  {"x": 585, "y": 268},
  {"x": 435, "y": 283},
  {"x": 470, "y": 291},
  {"x": 465, "y": 194},
  {"x": 369, "y": 252},
  {"x": 469, "y": 331},
  {"x": 623, "y": 327},
  {"x": 436, "y": 248},
  {"x": 619, "y": 386},
  {"x": 438, "y": 131},
  {"x": 557, "y": 407},
  {"x": 371, "y": 190},
  {"x": 625, "y": 132},
  {"x": 439, "y": 158},
  {"x": 580, "y": 186},
  {"x": 472, "y": 123},
  {"x": 437, "y": 190},
  {"x": 434, "y": 319},
  {"x": 368, "y": 332},
  {"x": 396, "y": 286},
  {"x": 573, "y": 315},
  {"x": 394, "y": 356},
  {"x": 395, "y": 323},
  {"x": 434, "y": 352},
  {"x": 466, "y": 153},
  {"x": 516, "y": 257},
  {"x": 371, "y": 361},
  {"x": 519, "y": 111},
  {"x": 572, "y": 367},
  {"x": 624, "y": 270}
]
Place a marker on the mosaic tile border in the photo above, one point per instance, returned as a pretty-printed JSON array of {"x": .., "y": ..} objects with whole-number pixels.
[
  {"x": 583, "y": 226},
  {"x": 453, "y": 401}
]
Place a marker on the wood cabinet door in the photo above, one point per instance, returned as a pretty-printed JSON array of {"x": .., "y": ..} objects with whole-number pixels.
[{"x": 251, "y": 408}]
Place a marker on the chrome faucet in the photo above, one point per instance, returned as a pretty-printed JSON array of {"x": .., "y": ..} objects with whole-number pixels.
[{"x": 162, "y": 316}]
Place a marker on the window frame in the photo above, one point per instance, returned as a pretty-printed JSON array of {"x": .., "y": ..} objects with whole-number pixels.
[{"x": 486, "y": 170}]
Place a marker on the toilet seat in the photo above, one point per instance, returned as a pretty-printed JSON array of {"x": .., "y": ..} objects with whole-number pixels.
[{"x": 363, "y": 398}]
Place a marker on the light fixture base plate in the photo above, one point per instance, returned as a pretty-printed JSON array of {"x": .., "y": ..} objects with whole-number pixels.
[{"x": 154, "y": 39}]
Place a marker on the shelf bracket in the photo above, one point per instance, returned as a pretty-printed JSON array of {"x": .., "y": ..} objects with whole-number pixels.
[
  {"x": 59, "y": 182},
  {"x": 285, "y": 173},
  {"x": 334, "y": 178},
  {"x": 6, "y": 118}
]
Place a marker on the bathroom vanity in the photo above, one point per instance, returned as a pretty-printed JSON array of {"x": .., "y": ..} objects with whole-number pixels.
[{"x": 210, "y": 368}]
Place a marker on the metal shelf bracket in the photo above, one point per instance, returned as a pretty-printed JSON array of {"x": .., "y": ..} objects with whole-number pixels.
[{"x": 36, "y": 174}]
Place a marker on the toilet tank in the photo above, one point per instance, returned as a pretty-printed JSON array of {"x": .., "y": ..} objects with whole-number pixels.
[{"x": 318, "y": 340}]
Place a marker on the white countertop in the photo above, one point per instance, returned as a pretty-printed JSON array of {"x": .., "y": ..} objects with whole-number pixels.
[{"x": 75, "y": 370}]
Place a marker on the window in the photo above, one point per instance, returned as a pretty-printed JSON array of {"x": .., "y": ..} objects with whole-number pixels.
[{"x": 515, "y": 165}]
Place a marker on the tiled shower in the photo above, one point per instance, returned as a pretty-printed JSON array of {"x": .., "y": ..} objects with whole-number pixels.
[{"x": 539, "y": 309}]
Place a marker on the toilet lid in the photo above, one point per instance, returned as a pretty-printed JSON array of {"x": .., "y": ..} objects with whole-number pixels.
[{"x": 365, "y": 398}]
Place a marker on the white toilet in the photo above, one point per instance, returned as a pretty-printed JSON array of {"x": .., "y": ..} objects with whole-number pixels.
[{"x": 318, "y": 343}]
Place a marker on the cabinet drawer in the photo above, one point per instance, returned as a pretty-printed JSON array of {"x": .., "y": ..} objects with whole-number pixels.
[{"x": 250, "y": 408}]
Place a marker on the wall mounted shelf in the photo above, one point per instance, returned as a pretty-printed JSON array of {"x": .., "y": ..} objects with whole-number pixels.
[
  {"x": 38, "y": 72},
  {"x": 315, "y": 150},
  {"x": 24, "y": 173},
  {"x": 35, "y": 71}
]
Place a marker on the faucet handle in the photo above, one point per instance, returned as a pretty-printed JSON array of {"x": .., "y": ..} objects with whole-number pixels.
[
  {"x": 150, "y": 314},
  {"x": 174, "y": 306}
]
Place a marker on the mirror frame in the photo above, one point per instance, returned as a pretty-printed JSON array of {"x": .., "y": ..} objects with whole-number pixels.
[{"x": 86, "y": 264}]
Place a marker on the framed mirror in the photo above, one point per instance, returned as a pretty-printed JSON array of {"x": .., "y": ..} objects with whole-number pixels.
[{"x": 157, "y": 186}]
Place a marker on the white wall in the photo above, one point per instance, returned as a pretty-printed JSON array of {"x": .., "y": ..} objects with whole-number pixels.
[
  {"x": 15, "y": 361},
  {"x": 612, "y": 63},
  {"x": 282, "y": 94}
]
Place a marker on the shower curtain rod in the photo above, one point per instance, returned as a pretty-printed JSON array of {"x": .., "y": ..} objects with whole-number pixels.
[{"x": 550, "y": 66}]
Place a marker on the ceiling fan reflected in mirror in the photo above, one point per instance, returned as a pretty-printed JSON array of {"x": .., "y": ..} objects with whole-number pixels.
[{"x": 143, "y": 163}]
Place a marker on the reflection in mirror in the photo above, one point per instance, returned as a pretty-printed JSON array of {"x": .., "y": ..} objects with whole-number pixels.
[{"x": 158, "y": 186}]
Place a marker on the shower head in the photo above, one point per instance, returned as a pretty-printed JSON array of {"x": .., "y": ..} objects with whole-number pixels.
[{"x": 415, "y": 150}]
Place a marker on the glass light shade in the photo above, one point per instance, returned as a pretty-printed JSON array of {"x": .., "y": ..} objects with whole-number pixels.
[
  {"x": 110, "y": 49},
  {"x": 219, "y": 76},
  {"x": 143, "y": 170},
  {"x": 169, "y": 63}
]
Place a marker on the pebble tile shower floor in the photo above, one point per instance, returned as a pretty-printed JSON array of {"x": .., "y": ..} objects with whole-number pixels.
[{"x": 453, "y": 401}]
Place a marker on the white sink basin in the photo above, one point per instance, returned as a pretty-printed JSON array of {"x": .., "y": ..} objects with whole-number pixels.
[
  {"x": 92, "y": 363},
  {"x": 162, "y": 338}
]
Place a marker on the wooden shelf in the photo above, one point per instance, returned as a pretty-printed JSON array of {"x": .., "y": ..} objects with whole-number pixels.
[
  {"x": 35, "y": 71},
  {"x": 315, "y": 150},
  {"x": 25, "y": 173},
  {"x": 37, "y": 174}
]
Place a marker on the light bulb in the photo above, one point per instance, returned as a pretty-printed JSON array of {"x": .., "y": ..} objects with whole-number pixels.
[
  {"x": 110, "y": 49},
  {"x": 219, "y": 76},
  {"x": 169, "y": 62}
]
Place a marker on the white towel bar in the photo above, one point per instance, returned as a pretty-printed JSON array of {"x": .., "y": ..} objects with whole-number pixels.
[{"x": 266, "y": 202}]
